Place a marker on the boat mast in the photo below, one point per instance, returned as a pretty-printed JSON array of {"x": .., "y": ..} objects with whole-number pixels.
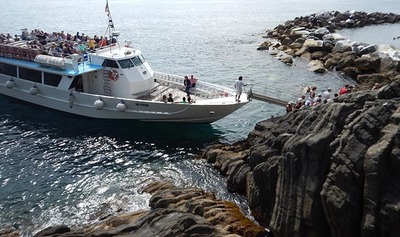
[{"x": 110, "y": 27}]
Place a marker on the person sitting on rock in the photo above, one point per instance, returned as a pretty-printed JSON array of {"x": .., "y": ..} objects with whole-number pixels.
[
  {"x": 312, "y": 92},
  {"x": 376, "y": 86},
  {"x": 317, "y": 100},
  {"x": 344, "y": 90},
  {"x": 327, "y": 95},
  {"x": 289, "y": 107}
]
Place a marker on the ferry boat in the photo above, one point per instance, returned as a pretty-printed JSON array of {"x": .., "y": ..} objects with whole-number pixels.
[{"x": 110, "y": 82}]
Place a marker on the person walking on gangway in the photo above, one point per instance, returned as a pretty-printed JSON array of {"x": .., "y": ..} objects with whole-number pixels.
[{"x": 239, "y": 84}]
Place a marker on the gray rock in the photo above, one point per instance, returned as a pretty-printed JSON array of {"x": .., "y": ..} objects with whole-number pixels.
[
  {"x": 53, "y": 231},
  {"x": 331, "y": 170},
  {"x": 316, "y": 66},
  {"x": 368, "y": 63},
  {"x": 369, "y": 49}
]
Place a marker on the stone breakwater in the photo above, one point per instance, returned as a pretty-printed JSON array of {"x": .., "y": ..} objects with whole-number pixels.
[
  {"x": 328, "y": 171},
  {"x": 313, "y": 37},
  {"x": 174, "y": 211}
]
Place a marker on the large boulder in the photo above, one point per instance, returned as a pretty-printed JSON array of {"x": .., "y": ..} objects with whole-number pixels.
[
  {"x": 342, "y": 46},
  {"x": 316, "y": 66},
  {"x": 367, "y": 63}
]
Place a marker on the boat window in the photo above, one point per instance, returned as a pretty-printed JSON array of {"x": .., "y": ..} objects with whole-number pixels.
[
  {"x": 8, "y": 69},
  {"x": 30, "y": 75},
  {"x": 142, "y": 58},
  {"x": 110, "y": 63},
  {"x": 126, "y": 63},
  {"x": 77, "y": 84},
  {"x": 137, "y": 61},
  {"x": 52, "y": 79}
]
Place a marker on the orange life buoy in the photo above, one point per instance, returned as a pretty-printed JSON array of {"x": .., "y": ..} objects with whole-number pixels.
[{"x": 113, "y": 75}]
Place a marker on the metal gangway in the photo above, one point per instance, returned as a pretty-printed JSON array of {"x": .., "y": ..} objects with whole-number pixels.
[{"x": 272, "y": 94}]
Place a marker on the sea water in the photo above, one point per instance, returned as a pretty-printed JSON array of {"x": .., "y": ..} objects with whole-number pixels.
[{"x": 62, "y": 169}]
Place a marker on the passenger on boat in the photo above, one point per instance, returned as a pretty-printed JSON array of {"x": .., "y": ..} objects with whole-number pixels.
[
  {"x": 164, "y": 98},
  {"x": 187, "y": 84},
  {"x": 83, "y": 37},
  {"x": 62, "y": 34},
  {"x": 54, "y": 50},
  {"x": 193, "y": 81},
  {"x": 24, "y": 35},
  {"x": 82, "y": 48},
  {"x": 77, "y": 36},
  {"x": 102, "y": 42},
  {"x": 67, "y": 50},
  {"x": 170, "y": 99},
  {"x": 75, "y": 48},
  {"x": 184, "y": 100},
  {"x": 51, "y": 50},
  {"x": 239, "y": 84},
  {"x": 96, "y": 38},
  {"x": 91, "y": 44}
]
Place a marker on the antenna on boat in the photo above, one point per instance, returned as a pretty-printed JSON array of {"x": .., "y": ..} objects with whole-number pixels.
[{"x": 110, "y": 28}]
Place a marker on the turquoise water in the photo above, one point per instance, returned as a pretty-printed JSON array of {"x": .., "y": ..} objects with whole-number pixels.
[{"x": 56, "y": 168}]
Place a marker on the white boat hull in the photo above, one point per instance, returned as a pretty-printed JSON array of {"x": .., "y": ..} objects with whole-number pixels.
[{"x": 82, "y": 104}]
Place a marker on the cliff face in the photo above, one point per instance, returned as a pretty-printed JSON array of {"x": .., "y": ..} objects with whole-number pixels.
[{"x": 329, "y": 171}]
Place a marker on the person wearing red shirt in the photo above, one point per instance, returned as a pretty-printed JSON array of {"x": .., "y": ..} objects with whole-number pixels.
[{"x": 344, "y": 90}]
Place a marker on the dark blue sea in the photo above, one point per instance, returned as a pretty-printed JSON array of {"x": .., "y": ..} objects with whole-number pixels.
[{"x": 62, "y": 169}]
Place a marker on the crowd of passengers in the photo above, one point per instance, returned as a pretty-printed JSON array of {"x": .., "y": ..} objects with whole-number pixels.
[
  {"x": 58, "y": 44},
  {"x": 311, "y": 99}
]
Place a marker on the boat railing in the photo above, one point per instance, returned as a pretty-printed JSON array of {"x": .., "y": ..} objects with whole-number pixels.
[
  {"x": 18, "y": 51},
  {"x": 271, "y": 93},
  {"x": 203, "y": 89},
  {"x": 105, "y": 48}
]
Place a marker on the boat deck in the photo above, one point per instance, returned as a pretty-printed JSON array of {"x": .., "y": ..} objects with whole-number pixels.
[
  {"x": 201, "y": 94},
  {"x": 23, "y": 53},
  {"x": 178, "y": 92}
]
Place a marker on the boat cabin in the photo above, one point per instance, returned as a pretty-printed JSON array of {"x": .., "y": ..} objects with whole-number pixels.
[{"x": 111, "y": 71}]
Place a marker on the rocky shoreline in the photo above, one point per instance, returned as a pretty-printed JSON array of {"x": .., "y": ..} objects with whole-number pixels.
[
  {"x": 328, "y": 171},
  {"x": 314, "y": 37},
  {"x": 174, "y": 212}
]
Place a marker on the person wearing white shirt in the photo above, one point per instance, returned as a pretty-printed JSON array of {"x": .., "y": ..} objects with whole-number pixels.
[
  {"x": 326, "y": 95},
  {"x": 239, "y": 88}
]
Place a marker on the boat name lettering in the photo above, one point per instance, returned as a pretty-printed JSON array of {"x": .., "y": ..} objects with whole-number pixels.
[{"x": 140, "y": 104}]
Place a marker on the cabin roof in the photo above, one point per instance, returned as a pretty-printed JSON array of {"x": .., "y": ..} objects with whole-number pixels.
[
  {"x": 115, "y": 52},
  {"x": 82, "y": 68}
]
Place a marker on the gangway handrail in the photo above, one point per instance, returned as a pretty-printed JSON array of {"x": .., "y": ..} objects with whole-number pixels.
[{"x": 272, "y": 94}]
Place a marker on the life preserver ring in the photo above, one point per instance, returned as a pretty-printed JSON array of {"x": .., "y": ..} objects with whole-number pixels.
[{"x": 113, "y": 75}]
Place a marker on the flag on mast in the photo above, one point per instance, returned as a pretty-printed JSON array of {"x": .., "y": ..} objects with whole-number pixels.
[{"x": 107, "y": 9}]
